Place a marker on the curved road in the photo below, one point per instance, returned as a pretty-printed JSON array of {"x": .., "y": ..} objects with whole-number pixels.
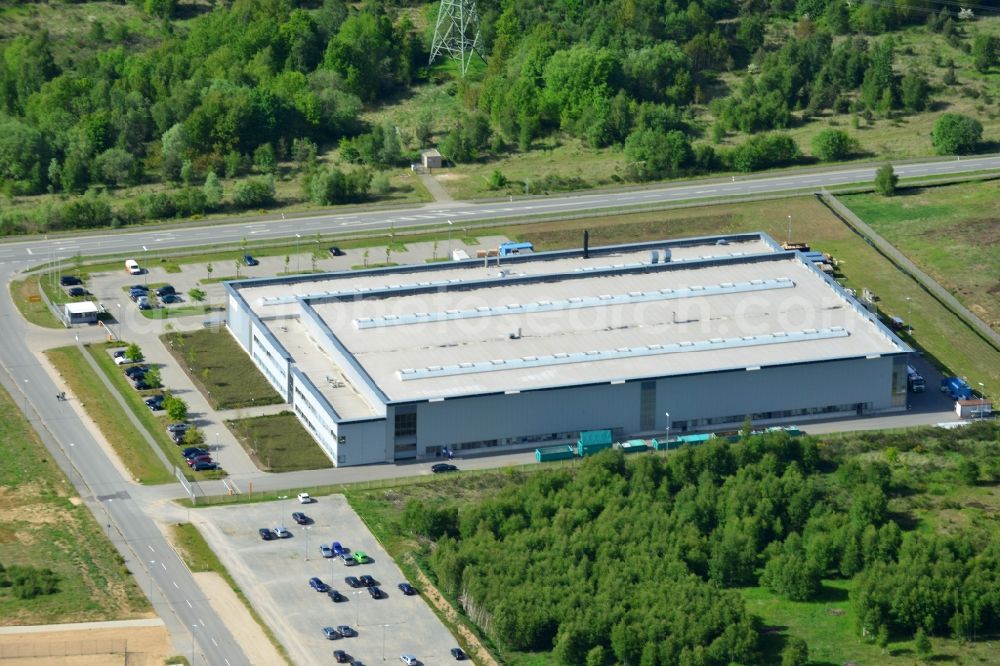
[{"x": 98, "y": 480}]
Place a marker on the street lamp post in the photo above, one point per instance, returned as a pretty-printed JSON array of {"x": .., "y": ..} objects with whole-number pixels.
[
  {"x": 306, "y": 531},
  {"x": 298, "y": 237},
  {"x": 668, "y": 425},
  {"x": 384, "y": 627},
  {"x": 789, "y": 230},
  {"x": 26, "y": 398},
  {"x": 121, "y": 323},
  {"x": 909, "y": 321},
  {"x": 449, "y": 239},
  {"x": 145, "y": 261}
]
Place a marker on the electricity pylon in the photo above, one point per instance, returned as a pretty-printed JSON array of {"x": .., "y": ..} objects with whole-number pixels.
[{"x": 457, "y": 32}]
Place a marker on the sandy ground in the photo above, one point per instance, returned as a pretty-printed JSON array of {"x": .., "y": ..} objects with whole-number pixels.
[
  {"x": 245, "y": 630},
  {"x": 146, "y": 641}
]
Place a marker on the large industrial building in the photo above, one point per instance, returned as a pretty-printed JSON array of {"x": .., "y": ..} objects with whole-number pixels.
[{"x": 691, "y": 334}]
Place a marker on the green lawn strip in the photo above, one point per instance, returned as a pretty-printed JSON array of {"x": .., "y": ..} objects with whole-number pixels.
[
  {"x": 154, "y": 424},
  {"x": 220, "y": 369},
  {"x": 181, "y": 311},
  {"x": 141, "y": 462},
  {"x": 22, "y": 292},
  {"x": 199, "y": 557},
  {"x": 44, "y": 525},
  {"x": 278, "y": 443},
  {"x": 952, "y": 232},
  {"x": 828, "y": 627}
]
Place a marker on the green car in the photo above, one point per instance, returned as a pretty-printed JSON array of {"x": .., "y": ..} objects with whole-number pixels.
[{"x": 360, "y": 557}]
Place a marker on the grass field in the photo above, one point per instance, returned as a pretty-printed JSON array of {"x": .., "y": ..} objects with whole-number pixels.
[
  {"x": 43, "y": 524},
  {"x": 278, "y": 443},
  {"x": 220, "y": 369},
  {"x": 128, "y": 444},
  {"x": 27, "y": 297},
  {"x": 952, "y": 232}
]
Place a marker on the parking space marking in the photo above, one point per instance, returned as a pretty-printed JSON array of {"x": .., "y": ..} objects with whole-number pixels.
[
  {"x": 164, "y": 565},
  {"x": 201, "y": 621},
  {"x": 189, "y": 603},
  {"x": 150, "y": 548},
  {"x": 176, "y": 585},
  {"x": 214, "y": 643}
]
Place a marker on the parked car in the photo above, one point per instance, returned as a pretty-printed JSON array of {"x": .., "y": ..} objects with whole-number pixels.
[
  {"x": 69, "y": 280},
  {"x": 368, "y": 581},
  {"x": 325, "y": 551},
  {"x": 336, "y": 596},
  {"x": 375, "y": 592},
  {"x": 443, "y": 467},
  {"x": 135, "y": 294},
  {"x": 155, "y": 403},
  {"x": 136, "y": 371},
  {"x": 346, "y": 631},
  {"x": 353, "y": 581},
  {"x": 193, "y": 451},
  {"x": 170, "y": 298},
  {"x": 408, "y": 659},
  {"x": 341, "y": 657},
  {"x": 318, "y": 585},
  {"x": 76, "y": 292},
  {"x": 282, "y": 532},
  {"x": 301, "y": 518},
  {"x": 360, "y": 557},
  {"x": 201, "y": 458},
  {"x": 337, "y": 548},
  {"x": 143, "y": 303},
  {"x": 139, "y": 287},
  {"x": 132, "y": 267},
  {"x": 249, "y": 260},
  {"x": 331, "y": 633},
  {"x": 457, "y": 653},
  {"x": 265, "y": 534},
  {"x": 164, "y": 290},
  {"x": 407, "y": 589},
  {"x": 336, "y": 251},
  {"x": 139, "y": 384},
  {"x": 178, "y": 427},
  {"x": 347, "y": 559},
  {"x": 304, "y": 498},
  {"x": 178, "y": 437},
  {"x": 205, "y": 466},
  {"x": 122, "y": 359}
]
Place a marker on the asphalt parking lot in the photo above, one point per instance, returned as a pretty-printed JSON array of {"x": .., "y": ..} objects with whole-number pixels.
[{"x": 275, "y": 574}]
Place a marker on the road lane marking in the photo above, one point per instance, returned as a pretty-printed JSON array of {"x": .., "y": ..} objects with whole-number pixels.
[
  {"x": 201, "y": 621},
  {"x": 213, "y": 642},
  {"x": 150, "y": 548},
  {"x": 162, "y": 564},
  {"x": 175, "y": 584},
  {"x": 189, "y": 603},
  {"x": 29, "y": 250}
]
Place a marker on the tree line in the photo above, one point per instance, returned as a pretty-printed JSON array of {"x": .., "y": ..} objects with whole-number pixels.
[
  {"x": 636, "y": 560},
  {"x": 252, "y": 83}
]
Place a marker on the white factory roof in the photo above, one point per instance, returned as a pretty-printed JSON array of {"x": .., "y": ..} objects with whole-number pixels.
[{"x": 600, "y": 319}]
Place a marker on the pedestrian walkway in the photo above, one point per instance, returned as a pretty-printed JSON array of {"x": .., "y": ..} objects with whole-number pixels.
[{"x": 436, "y": 189}]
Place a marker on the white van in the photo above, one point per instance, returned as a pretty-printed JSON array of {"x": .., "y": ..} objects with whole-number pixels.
[{"x": 132, "y": 267}]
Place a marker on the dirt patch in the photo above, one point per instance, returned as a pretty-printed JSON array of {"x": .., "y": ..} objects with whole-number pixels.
[
  {"x": 984, "y": 231},
  {"x": 450, "y": 176},
  {"x": 477, "y": 651},
  {"x": 238, "y": 620},
  {"x": 146, "y": 643}
]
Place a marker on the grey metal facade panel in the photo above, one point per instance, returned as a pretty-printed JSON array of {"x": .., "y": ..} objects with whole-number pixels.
[
  {"x": 365, "y": 442},
  {"x": 523, "y": 414}
]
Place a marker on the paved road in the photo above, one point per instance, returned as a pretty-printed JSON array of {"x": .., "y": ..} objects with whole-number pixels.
[
  {"x": 158, "y": 569},
  {"x": 98, "y": 480},
  {"x": 37, "y": 249}
]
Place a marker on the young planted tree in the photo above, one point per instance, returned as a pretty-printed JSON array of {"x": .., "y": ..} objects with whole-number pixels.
[
  {"x": 152, "y": 377},
  {"x": 196, "y": 294},
  {"x": 885, "y": 180},
  {"x": 176, "y": 408},
  {"x": 208, "y": 269}
]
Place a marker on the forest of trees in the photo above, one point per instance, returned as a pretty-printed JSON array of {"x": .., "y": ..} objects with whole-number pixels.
[
  {"x": 635, "y": 560},
  {"x": 251, "y": 83}
]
